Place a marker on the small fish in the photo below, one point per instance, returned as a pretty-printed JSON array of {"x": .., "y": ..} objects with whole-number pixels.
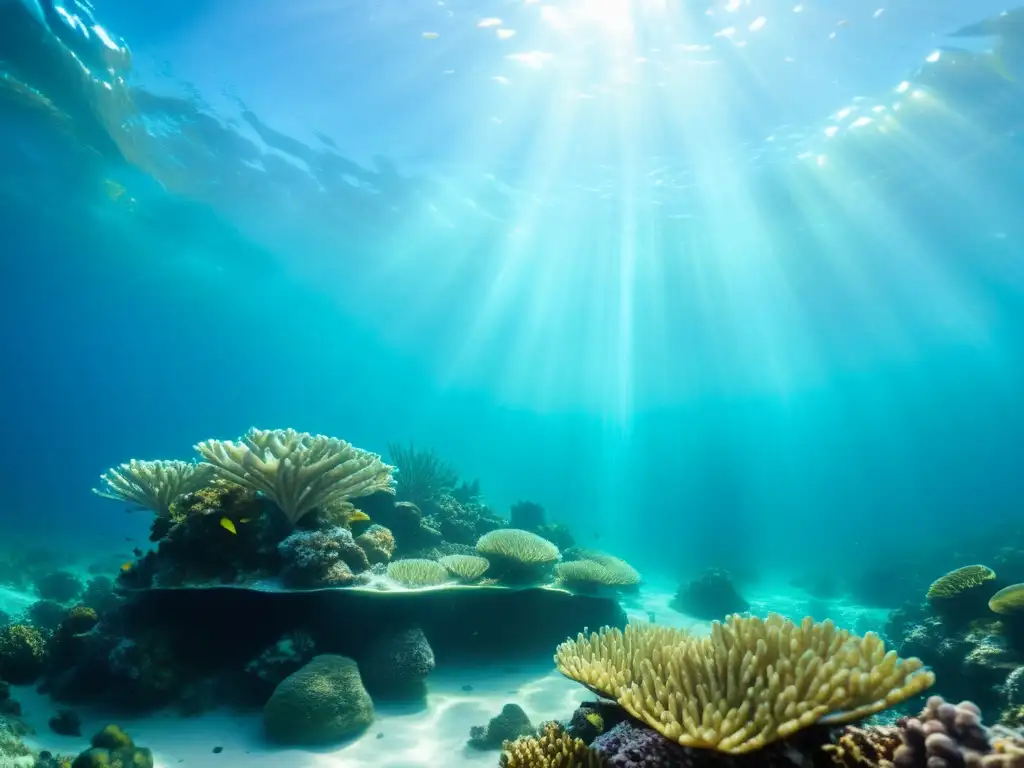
[
  {"x": 358, "y": 516},
  {"x": 227, "y": 525},
  {"x": 245, "y": 520},
  {"x": 125, "y": 567}
]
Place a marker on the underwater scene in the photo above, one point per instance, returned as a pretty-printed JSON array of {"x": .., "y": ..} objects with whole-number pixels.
[{"x": 512, "y": 383}]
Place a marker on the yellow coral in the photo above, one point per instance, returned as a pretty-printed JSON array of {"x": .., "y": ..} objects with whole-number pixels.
[
  {"x": 1008, "y": 600},
  {"x": 554, "y": 748},
  {"x": 959, "y": 581},
  {"x": 752, "y": 682}
]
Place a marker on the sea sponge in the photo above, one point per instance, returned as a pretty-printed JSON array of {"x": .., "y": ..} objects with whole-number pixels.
[
  {"x": 957, "y": 582},
  {"x": 296, "y": 470},
  {"x": 750, "y": 683},
  {"x": 465, "y": 568},
  {"x": 378, "y": 543},
  {"x": 1008, "y": 600},
  {"x": 153, "y": 485},
  {"x": 323, "y": 702},
  {"x": 418, "y": 572},
  {"x": 553, "y": 748},
  {"x": 22, "y": 653}
]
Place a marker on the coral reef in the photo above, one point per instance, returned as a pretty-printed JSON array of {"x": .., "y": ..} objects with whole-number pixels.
[
  {"x": 397, "y": 664},
  {"x": 378, "y": 543},
  {"x": 510, "y": 724},
  {"x": 22, "y": 653},
  {"x": 957, "y": 582},
  {"x": 321, "y": 558},
  {"x": 517, "y": 556},
  {"x": 466, "y": 568},
  {"x": 712, "y": 596},
  {"x": 793, "y": 677},
  {"x": 418, "y": 572},
  {"x": 296, "y": 470},
  {"x": 553, "y": 748},
  {"x": 1008, "y": 601},
  {"x": 422, "y": 475},
  {"x": 596, "y": 570},
  {"x": 46, "y": 614},
  {"x": 66, "y": 723},
  {"x": 961, "y": 595},
  {"x": 322, "y": 703},
  {"x": 112, "y": 748},
  {"x": 153, "y": 485},
  {"x": 285, "y": 657},
  {"x": 526, "y": 515}
]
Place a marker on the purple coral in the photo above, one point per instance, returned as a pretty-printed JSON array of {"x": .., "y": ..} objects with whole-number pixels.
[
  {"x": 629, "y": 745},
  {"x": 948, "y": 735},
  {"x": 321, "y": 558}
]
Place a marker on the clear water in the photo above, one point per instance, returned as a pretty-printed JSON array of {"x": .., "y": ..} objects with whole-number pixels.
[{"x": 734, "y": 284}]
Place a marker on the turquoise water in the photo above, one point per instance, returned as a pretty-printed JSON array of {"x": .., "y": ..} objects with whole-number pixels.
[{"x": 736, "y": 284}]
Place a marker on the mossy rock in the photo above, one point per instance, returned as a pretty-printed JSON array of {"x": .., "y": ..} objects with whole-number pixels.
[
  {"x": 323, "y": 703},
  {"x": 113, "y": 748}
]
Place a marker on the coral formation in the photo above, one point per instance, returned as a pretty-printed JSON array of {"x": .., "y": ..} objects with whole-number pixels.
[
  {"x": 46, "y": 614},
  {"x": 526, "y": 515},
  {"x": 793, "y": 676},
  {"x": 466, "y": 568},
  {"x": 153, "y": 485},
  {"x": 712, "y": 596},
  {"x": 112, "y": 748},
  {"x": 1008, "y": 600},
  {"x": 422, "y": 475},
  {"x": 418, "y": 572},
  {"x": 510, "y": 724},
  {"x": 595, "y": 570},
  {"x": 553, "y": 748},
  {"x": 378, "y": 543},
  {"x": 398, "y": 663},
  {"x": 517, "y": 555},
  {"x": 318, "y": 558},
  {"x": 22, "y": 653},
  {"x": 296, "y": 470},
  {"x": 322, "y": 703},
  {"x": 956, "y": 582},
  {"x": 289, "y": 654},
  {"x": 66, "y": 723}
]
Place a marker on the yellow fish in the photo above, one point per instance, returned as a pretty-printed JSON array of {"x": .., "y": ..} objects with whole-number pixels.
[
  {"x": 227, "y": 525},
  {"x": 358, "y": 516},
  {"x": 125, "y": 567}
]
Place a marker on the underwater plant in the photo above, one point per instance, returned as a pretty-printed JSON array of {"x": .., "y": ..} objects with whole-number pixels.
[
  {"x": 422, "y": 475},
  {"x": 153, "y": 485},
  {"x": 296, "y": 470},
  {"x": 752, "y": 682}
]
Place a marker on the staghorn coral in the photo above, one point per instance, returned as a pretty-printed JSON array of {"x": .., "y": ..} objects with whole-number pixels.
[
  {"x": 750, "y": 683},
  {"x": 296, "y": 470},
  {"x": 422, "y": 475},
  {"x": 553, "y": 748},
  {"x": 465, "y": 568},
  {"x": 418, "y": 572},
  {"x": 153, "y": 485},
  {"x": 378, "y": 544},
  {"x": 955, "y": 583},
  {"x": 1008, "y": 600}
]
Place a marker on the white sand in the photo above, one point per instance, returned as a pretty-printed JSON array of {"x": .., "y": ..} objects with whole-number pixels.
[
  {"x": 435, "y": 736},
  {"x": 13, "y": 602}
]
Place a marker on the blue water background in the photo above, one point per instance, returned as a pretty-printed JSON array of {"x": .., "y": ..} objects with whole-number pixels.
[{"x": 722, "y": 370}]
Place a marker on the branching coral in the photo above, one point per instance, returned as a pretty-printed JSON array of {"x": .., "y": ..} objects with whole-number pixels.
[
  {"x": 750, "y": 683},
  {"x": 296, "y": 470},
  {"x": 553, "y": 748},
  {"x": 153, "y": 485},
  {"x": 422, "y": 475},
  {"x": 955, "y": 583}
]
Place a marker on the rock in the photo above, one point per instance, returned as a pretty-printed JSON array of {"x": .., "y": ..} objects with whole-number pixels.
[{"x": 322, "y": 703}]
